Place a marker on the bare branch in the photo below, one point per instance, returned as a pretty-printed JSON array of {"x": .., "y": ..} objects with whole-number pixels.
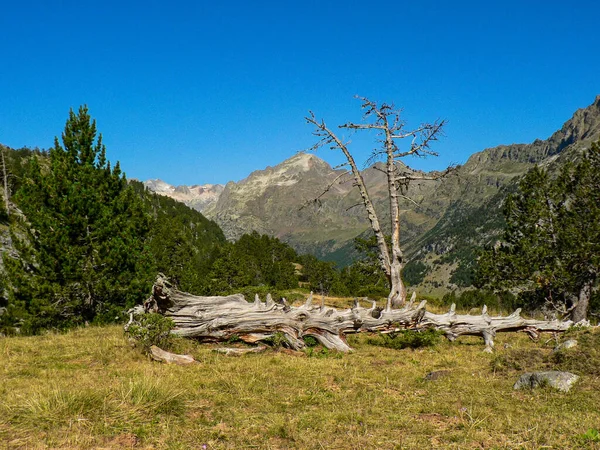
[
  {"x": 362, "y": 126},
  {"x": 317, "y": 200},
  {"x": 410, "y": 200},
  {"x": 353, "y": 206}
]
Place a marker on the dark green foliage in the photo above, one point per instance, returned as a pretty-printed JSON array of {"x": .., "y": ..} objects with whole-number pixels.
[
  {"x": 277, "y": 340},
  {"x": 254, "y": 260},
  {"x": 364, "y": 280},
  {"x": 81, "y": 252},
  {"x": 477, "y": 298},
  {"x": 364, "y": 277},
  {"x": 182, "y": 243},
  {"x": 310, "y": 341},
  {"x": 408, "y": 339},
  {"x": 16, "y": 164},
  {"x": 464, "y": 275},
  {"x": 151, "y": 329},
  {"x": 414, "y": 272},
  {"x": 322, "y": 276},
  {"x": 551, "y": 244}
]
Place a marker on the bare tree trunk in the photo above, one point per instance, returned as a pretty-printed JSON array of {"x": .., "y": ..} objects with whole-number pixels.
[
  {"x": 583, "y": 302},
  {"x": 216, "y": 319},
  {"x": 397, "y": 295},
  {"x": 331, "y": 138}
]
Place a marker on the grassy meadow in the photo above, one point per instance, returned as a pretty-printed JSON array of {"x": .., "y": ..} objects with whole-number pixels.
[{"x": 88, "y": 388}]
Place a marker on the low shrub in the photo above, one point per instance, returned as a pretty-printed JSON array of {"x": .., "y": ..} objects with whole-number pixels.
[{"x": 150, "y": 329}]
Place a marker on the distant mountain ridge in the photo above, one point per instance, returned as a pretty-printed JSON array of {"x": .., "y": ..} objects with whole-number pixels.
[
  {"x": 459, "y": 212},
  {"x": 198, "y": 196}
]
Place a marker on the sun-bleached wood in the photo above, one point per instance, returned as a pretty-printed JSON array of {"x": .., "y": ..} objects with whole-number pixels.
[{"x": 220, "y": 318}]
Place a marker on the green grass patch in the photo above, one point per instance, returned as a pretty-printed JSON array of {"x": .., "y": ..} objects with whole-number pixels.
[{"x": 89, "y": 388}]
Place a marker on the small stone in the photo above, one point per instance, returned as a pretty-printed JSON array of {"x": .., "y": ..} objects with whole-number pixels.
[
  {"x": 437, "y": 374},
  {"x": 563, "y": 381},
  {"x": 565, "y": 345}
]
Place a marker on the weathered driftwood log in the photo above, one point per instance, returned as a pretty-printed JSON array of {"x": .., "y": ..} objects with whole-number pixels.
[
  {"x": 161, "y": 355},
  {"x": 221, "y": 318}
]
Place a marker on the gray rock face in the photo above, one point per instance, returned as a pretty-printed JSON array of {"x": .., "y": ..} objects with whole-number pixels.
[
  {"x": 565, "y": 345},
  {"x": 563, "y": 381}
]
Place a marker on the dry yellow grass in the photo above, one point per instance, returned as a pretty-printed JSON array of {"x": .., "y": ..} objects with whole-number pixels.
[{"x": 89, "y": 389}]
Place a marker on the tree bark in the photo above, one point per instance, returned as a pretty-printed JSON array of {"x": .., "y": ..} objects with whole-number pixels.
[
  {"x": 583, "y": 302},
  {"x": 217, "y": 319},
  {"x": 397, "y": 295}
]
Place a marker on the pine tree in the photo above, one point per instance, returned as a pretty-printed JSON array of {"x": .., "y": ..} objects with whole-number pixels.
[
  {"x": 81, "y": 256},
  {"x": 580, "y": 219},
  {"x": 551, "y": 245}
]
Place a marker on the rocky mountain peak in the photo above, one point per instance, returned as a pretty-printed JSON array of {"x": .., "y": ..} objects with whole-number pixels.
[{"x": 199, "y": 197}]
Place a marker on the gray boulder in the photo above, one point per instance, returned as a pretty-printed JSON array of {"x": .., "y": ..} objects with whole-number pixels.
[
  {"x": 565, "y": 345},
  {"x": 563, "y": 381}
]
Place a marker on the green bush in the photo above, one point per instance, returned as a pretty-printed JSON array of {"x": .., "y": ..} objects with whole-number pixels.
[
  {"x": 310, "y": 341},
  {"x": 151, "y": 329},
  {"x": 277, "y": 340},
  {"x": 591, "y": 435}
]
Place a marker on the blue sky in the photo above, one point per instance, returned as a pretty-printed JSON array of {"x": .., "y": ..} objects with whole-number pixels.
[{"x": 206, "y": 92}]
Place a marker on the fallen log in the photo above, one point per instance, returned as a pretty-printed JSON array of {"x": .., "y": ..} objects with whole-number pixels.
[
  {"x": 219, "y": 318},
  {"x": 158, "y": 354}
]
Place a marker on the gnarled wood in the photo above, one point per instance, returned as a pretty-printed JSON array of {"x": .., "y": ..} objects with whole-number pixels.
[{"x": 221, "y": 318}]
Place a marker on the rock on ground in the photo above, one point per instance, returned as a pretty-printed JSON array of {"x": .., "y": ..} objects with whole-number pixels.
[
  {"x": 563, "y": 381},
  {"x": 565, "y": 345}
]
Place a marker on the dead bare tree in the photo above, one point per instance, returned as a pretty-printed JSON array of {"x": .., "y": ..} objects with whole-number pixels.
[
  {"x": 386, "y": 121},
  {"x": 217, "y": 319}
]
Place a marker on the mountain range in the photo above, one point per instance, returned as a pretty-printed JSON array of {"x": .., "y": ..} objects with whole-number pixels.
[{"x": 443, "y": 223}]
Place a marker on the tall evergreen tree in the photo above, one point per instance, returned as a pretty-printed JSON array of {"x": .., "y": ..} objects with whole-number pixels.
[
  {"x": 551, "y": 244},
  {"x": 580, "y": 219},
  {"x": 81, "y": 250}
]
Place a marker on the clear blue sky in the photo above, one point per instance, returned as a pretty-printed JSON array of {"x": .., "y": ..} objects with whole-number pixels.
[{"x": 206, "y": 91}]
